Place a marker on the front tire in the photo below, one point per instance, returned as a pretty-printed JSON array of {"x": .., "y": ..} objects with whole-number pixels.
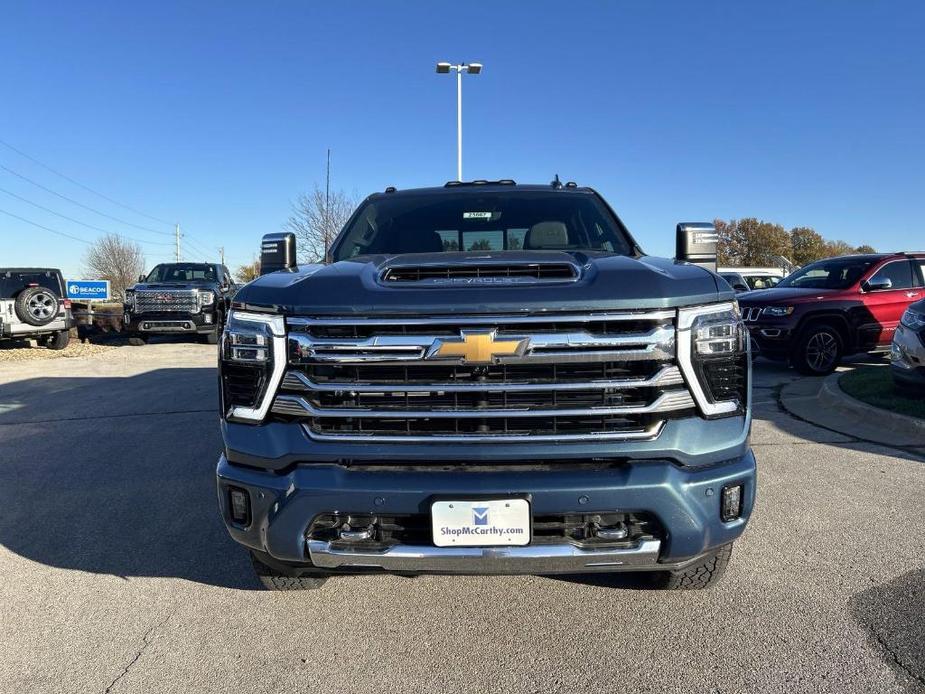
[
  {"x": 137, "y": 341},
  {"x": 818, "y": 351},
  {"x": 704, "y": 574},
  {"x": 271, "y": 579}
]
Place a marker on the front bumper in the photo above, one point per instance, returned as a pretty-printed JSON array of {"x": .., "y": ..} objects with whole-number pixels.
[
  {"x": 684, "y": 500},
  {"x": 166, "y": 323},
  {"x": 907, "y": 357}
]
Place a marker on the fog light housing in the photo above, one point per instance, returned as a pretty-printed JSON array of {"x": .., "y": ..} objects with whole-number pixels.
[
  {"x": 240, "y": 505},
  {"x": 731, "y": 503}
]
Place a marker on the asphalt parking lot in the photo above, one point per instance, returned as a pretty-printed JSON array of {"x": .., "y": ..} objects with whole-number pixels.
[{"x": 118, "y": 576}]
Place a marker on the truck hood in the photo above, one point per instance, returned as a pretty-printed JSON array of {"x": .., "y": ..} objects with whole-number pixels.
[
  {"x": 784, "y": 295},
  {"x": 356, "y": 286}
]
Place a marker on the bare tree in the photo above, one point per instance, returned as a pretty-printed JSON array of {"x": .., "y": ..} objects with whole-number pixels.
[
  {"x": 246, "y": 273},
  {"x": 316, "y": 219},
  {"x": 115, "y": 259}
]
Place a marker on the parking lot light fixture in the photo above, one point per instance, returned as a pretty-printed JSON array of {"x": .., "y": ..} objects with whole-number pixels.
[{"x": 472, "y": 69}]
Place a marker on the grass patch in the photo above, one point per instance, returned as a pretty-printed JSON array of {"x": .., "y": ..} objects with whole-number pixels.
[{"x": 874, "y": 385}]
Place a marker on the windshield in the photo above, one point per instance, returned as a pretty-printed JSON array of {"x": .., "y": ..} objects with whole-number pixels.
[
  {"x": 11, "y": 283},
  {"x": 762, "y": 281},
  {"x": 191, "y": 272},
  {"x": 834, "y": 273},
  {"x": 487, "y": 221}
]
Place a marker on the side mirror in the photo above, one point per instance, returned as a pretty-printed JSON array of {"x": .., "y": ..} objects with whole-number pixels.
[
  {"x": 142, "y": 278},
  {"x": 741, "y": 287},
  {"x": 696, "y": 243},
  {"x": 277, "y": 252},
  {"x": 879, "y": 285}
]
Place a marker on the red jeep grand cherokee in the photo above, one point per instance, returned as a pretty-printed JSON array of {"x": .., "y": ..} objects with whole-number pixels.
[{"x": 832, "y": 308}]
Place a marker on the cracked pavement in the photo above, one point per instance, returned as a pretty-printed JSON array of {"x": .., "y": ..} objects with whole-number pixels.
[{"x": 118, "y": 575}]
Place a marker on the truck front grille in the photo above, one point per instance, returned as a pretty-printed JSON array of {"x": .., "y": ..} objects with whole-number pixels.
[
  {"x": 553, "y": 377},
  {"x": 166, "y": 300}
]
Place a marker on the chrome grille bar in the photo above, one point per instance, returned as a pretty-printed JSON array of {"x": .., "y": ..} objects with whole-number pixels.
[
  {"x": 658, "y": 315},
  {"x": 641, "y": 434},
  {"x": 667, "y": 376},
  {"x": 298, "y": 405}
]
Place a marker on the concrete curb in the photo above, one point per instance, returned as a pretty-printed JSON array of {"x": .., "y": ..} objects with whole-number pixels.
[{"x": 824, "y": 403}]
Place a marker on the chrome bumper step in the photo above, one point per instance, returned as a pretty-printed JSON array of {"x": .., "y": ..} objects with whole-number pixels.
[{"x": 531, "y": 559}]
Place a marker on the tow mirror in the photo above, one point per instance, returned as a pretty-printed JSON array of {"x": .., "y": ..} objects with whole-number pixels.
[
  {"x": 277, "y": 252},
  {"x": 696, "y": 244},
  {"x": 878, "y": 285},
  {"x": 142, "y": 278}
]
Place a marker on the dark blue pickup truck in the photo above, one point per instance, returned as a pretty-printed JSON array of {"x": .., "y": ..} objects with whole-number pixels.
[{"x": 486, "y": 378}]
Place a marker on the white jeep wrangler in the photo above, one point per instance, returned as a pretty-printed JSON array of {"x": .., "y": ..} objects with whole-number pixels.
[{"x": 33, "y": 305}]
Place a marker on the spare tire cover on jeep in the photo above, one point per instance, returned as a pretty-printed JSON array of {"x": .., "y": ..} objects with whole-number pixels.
[{"x": 37, "y": 306}]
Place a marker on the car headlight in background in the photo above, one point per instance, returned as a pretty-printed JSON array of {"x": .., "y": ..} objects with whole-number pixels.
[
  {"x": 713, "y": 354},
  {"x": 206, "y": 298},
  {"x": 913, "y": 319},
  {"x": 252, "y": 361},
  {"x": 777, "y": 311}
]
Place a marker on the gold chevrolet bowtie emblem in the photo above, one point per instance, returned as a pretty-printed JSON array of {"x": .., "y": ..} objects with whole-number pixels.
[{"x": 477, "y": 347}]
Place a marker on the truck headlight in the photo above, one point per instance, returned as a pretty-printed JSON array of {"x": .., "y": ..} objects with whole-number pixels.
[
  {"x": 129, "y": 301},
  {"x": 713, "y": 355},
  {"x": 206, "y": 298},
  {"x": 913, "y": 319},
  {"x": 777, "y": 311},
  {"x": 252, "y": 362}
]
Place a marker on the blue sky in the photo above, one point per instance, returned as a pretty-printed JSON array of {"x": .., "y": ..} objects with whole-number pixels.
[{"x": 218, "y": 114}]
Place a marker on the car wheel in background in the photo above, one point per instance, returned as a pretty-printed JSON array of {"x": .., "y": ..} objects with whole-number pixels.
[
  {"x": 59, "y": 340},
  {"x": 36, "y": 306},
  {"x": 818, "y": 351},
  {"x": 137, "y": 341}
]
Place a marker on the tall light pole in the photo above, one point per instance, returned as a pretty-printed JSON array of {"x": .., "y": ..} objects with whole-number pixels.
[{"x": 472, "y": 69}]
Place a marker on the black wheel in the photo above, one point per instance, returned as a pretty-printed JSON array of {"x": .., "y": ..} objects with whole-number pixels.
[
  {"x": 818, "y": 351},
  {"x": 36, "y": 306},
  {"x": 59, "y": 340},
  {"x": 137, "y": 341},
  {"x": 705, "y": 573},
  {"x": 276, "y": 580},
  {"x": 211, "y": 337}
]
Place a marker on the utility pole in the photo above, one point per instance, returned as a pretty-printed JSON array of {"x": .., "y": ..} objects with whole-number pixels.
[
  {"x": 327, "y": 207},
  {"x": 221, "y": 252},
  {"x": 178, "y": 242}
]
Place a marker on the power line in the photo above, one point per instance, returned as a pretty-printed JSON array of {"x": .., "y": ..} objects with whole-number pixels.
[
  {"x": 84, "y": 224},
  {"x": 41, "y": 226},
  {"x": 81, "y": 185},
  {"x": 79, "y": 204}
]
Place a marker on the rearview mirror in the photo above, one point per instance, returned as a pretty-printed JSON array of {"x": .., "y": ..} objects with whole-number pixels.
[
  {"x": 878, "y": 285},
  {"x": 696, "y": 243}
]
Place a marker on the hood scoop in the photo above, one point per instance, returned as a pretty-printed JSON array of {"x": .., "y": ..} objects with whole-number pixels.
[{"x": 475, "y": 274}]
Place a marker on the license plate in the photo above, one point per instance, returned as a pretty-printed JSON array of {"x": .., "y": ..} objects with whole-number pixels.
[{"x": 481, "y": 523}]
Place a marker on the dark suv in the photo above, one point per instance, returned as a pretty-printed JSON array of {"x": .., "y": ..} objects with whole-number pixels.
[
  {"x": 33, "y": 305},
  {"x": 832, "y": 308},
  {"x": 179, "y": 298}
]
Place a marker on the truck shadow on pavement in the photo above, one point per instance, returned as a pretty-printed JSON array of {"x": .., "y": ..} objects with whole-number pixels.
[
  {"x": 894, "y": 615},
  {"x": 116, "y": 476}
]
